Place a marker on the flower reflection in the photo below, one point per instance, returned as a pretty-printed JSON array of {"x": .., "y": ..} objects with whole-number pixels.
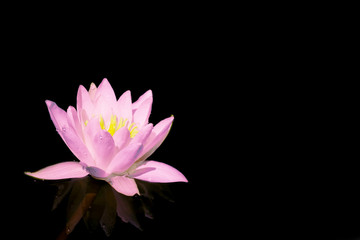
[{"x": 98, "y": 204}]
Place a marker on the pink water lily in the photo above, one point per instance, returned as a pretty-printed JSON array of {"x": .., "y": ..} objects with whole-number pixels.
[{"x": 112, "y": 140}]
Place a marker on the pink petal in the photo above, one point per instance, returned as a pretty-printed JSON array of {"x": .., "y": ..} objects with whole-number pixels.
[
  {"x": 141, "y": 115},
  {"x": 163, "y": 126},
  {"x": 104, "y": 147},
  {"x": 157, "y": 136},
  {"x": 125, "y": 158},
  {"x": 101, "y": 142},
  {"x": 105, "y": 100},
  {"x": 124, "y": 185},
  {"x": 105, "y": 91},
  {"x": 121, "y": 138},
  {"x": 84, "y": 104},
  {"x": 97, "y": 172},
  {"x": 68, "y": 134},
  {"x": 92, "y": 91},
  {"x": 60, "y": 171},
  {"x": 73, "y": 121},
  {"x": 153, "y": 171},
  {"x": 141, "y": 99},
  {"x": 57, "y": 115},
  {"x": 123, "y": 107},
  {"x": 143, "y": 134}
]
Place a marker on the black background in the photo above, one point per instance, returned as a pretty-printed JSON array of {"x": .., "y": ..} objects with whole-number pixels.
[
  {"x": 184, "y": 75},
  {"x": 265, "y": 123}
]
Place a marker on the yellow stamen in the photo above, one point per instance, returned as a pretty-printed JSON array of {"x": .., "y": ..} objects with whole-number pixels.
[
  {"x": 116, "y": 125},
  {"x": 131, "y": 125},
  {"x": 133, "y": 132},
  {"x": 112, "y": 127},
  {"x": 102, "y": 123},
  {"x": 122, "y": 123}
]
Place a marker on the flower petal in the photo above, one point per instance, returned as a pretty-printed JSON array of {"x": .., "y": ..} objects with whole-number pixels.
[
  {"x": 92, "y": 91},
  {"x": 143, "y": 134},
  {"x": 141, "y": 99},
  {"x": 153, "y": 171},
  {"x": 68, "y": 134},
  {"x": 105, "y": 100},
  {"x": 73, "y": 121},
  {"x": 97, "y": 172},
  {"x": 124, "y": 185},
  {"x": 123, "y": 107},
  {"x": 60, "y": 171},
  {"x": 125, "y": 158},
  {"x": 141, "y": 115},
  {"x": 105, "y": 91},
  {"x": 57, "y": 115},
  {"x": 157, "y": 136},
  {"x": 121, "y": 138},
  {"x": 84, "y": 104},
  {"x": 101, "y": 143}
]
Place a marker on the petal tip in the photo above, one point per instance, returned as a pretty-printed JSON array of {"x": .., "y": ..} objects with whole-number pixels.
[
  {"x": 49, "y": 103},
  {"x": 92, "y": 86},
  {"x": 104, "y": 81},
  {"x": 33, "y": 175},
  {"x": 184, "y": 180}
]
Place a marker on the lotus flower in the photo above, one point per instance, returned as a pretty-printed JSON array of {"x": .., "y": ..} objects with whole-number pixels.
[{"x": 112, "y": 140}]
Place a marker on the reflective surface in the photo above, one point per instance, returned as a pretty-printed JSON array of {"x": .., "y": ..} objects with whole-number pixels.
[
  {"x": 98, "y": 204},
  {"x": 92, "y": 209}
]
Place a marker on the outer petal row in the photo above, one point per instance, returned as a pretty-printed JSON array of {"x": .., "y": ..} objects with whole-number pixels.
[
  {"x": 153, "y": 171},
  {"x": 60, "y": 171}
]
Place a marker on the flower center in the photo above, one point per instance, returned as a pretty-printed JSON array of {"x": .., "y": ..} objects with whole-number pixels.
[{"x": 116, "y": 124}]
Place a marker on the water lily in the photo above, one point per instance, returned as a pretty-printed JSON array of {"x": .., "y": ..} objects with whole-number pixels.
[{"x": 112, "y": 139}]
